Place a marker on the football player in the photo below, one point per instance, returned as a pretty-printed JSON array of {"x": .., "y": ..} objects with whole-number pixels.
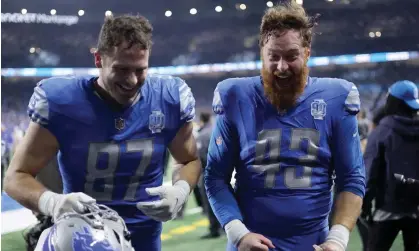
[
  {"x": 111, "y": 133},
  {"x": 285, "y": 133}
]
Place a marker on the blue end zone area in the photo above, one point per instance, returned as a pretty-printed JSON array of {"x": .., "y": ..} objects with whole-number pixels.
[{"x": 8, "y": 204}]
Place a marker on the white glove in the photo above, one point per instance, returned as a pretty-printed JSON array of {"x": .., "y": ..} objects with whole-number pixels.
[
  {"x": 172, "y": 199},
  {"x": 54, "y": 204},
  {"x": 336, "y": 240},
  {"x": 235, "y": 231}
]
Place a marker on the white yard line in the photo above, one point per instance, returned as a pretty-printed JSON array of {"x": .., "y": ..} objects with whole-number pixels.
[
  {"x": 192, "y": 211},
  {"x": 16, "y": 220}
]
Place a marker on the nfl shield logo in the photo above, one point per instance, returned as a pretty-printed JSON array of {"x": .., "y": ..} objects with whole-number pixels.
[
  {"x": 119, "y": 123},
  {"x": 318, "y": 109},
  {"x": 156, "y": 122}
]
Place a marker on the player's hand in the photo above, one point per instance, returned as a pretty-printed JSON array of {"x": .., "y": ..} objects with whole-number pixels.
[
  {"x": 55, "y": 205},
  {"x": 172, "y": 199},
  {"x": 255, "y": 242},
  {"x": 328, "y": 246}
]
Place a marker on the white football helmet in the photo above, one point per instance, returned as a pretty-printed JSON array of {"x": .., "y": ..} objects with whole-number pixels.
[{"x": 99, "y": 229}]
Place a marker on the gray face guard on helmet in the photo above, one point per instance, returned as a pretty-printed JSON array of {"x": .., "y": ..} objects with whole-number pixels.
[{"x": 99, "y": 229}]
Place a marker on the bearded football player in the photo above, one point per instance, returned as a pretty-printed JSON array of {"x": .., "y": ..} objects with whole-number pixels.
[{"x": 285, "y": 133}]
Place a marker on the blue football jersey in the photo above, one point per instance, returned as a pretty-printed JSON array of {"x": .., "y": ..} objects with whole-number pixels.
[
  {"x": 283, "y": 161},
  {"x": 112, "y": 155}
]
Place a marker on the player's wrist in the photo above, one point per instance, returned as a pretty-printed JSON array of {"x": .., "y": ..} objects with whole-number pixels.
[
  {"x": 235, "y": 231},
  {"x": 47, "y": 202},
  {"x": 339, "y": 234}
]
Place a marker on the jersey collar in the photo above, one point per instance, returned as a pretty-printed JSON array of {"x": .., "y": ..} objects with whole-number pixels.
[{"x": 99, "y": 92}]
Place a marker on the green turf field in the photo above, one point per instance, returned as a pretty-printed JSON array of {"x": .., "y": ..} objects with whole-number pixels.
[{"x": 183, "y": 235}]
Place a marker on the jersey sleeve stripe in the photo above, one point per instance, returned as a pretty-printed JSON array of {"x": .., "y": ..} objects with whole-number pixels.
[
  {"x": 217, "y": 105},
  {"x": 187, "y": 102},
  {"x": 352, "y": 102},
  {"x": 36, "y": 117},
  {"x": 38, "y": 109}
]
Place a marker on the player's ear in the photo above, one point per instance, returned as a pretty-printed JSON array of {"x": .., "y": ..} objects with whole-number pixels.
[
  {"x": 98, "y": 60},
  {"x": 307, "y": 53}
]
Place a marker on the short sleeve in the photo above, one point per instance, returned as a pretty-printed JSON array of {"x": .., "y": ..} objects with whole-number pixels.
[
  {"x": 352, "y": 101},
  {"x": 38, "y": 108},
  {"x": 187, "y": 102},
  {"x": 217, "y": 104}
]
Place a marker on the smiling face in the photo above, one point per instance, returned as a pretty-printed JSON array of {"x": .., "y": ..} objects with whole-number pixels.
[
  {"x": 284, "y": 67},
  {"x": 124, "y": 46},
  {"x": 123, "y": 71}
]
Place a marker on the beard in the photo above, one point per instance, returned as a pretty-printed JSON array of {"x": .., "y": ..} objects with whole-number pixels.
[{"x": 283, "y": 93}]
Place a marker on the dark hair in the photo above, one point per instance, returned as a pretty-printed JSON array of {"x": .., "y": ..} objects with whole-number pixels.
[
  {"x": 379, "y": 115},
  {"x": 135, "y": 30},
  {"x": 32, "y": 236},
  {"x": 285, "y": 17},
  {"x": 395, "y": 106},
  {"x": 205, "y": 117}
]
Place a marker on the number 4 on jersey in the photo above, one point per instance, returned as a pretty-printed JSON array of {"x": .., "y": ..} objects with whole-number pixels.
[{"x": 271, "y": 166}]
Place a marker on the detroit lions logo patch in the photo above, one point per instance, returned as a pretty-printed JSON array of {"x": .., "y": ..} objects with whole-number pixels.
[
  {"x": 84, "y": 241},
  {"x": 156, "y": 122},
  {"x": 318, "y": 109}
]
